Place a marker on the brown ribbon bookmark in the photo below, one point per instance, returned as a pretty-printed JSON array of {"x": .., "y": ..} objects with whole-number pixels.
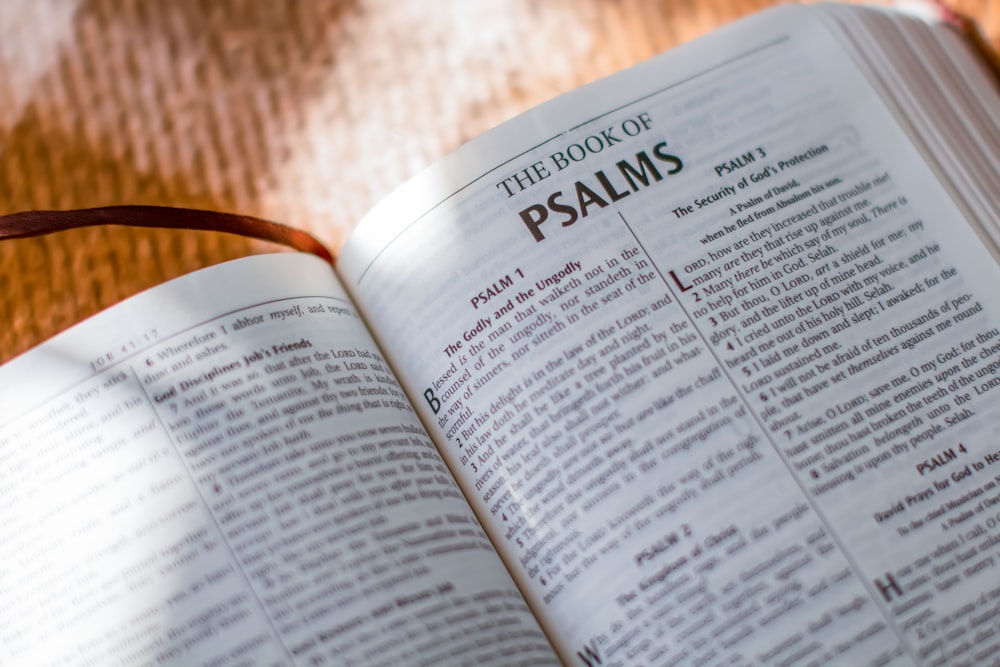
[{"x": 37, "y": 223}]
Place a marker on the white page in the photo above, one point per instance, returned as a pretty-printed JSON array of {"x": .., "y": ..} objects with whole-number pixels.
[
  {"x": 222, "y": 471},
  {"x": 691, "y": 416}
]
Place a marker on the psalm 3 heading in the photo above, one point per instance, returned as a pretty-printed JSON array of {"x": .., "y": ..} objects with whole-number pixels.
[{"x": 608, "y": 185}]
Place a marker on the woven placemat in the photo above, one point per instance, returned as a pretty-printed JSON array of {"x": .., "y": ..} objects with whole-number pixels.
[{"x": 305, "y": 112}]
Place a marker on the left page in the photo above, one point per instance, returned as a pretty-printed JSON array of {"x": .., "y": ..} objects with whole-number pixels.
[{"x": 223, "y": 471}]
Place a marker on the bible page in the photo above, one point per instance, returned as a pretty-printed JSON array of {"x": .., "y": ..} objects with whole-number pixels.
[
  {"x": 223, "y": 471},
  {"x": 715, "y": 357}
]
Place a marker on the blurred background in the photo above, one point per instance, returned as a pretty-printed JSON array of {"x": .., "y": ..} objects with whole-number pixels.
[{"x": 301, "y": 111}]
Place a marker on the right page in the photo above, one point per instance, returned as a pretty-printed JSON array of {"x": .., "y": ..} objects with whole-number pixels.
[{"x": 714, "y": 355}]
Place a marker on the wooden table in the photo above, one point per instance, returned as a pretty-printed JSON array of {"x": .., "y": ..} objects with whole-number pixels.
[{"x": 306, "y": 112}]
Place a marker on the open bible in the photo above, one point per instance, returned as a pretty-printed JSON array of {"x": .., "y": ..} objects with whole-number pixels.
[{"x": 694, "y": 365}]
